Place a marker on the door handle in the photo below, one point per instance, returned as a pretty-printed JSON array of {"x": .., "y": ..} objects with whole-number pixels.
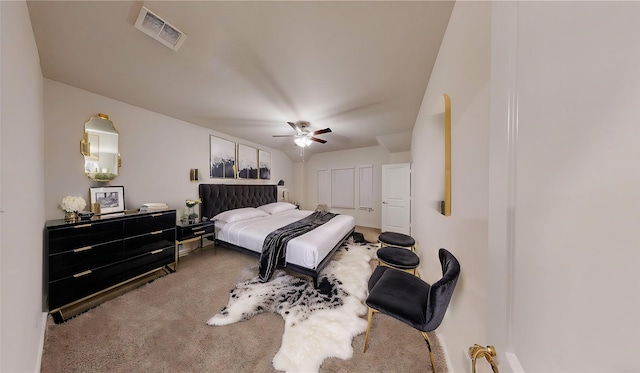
[{"x": 384, "y": 203}]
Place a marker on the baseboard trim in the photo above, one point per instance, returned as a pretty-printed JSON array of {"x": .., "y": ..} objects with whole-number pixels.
[
  {"x": 43, "y": 324},
  {"x": 514, "y": 363},
  {"x": 62, "y": 314},
  {"x": 447, "y": 360}
]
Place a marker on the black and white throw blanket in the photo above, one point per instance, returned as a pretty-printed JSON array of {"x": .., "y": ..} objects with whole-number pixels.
[
  {"x": 274, "y": 248},
  {"x": 319, "y": 323}
]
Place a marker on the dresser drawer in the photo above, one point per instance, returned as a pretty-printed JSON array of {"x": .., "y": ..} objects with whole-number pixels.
[
  {"x": 79, "y": 260},
  {"x": 85, "y": 261},
  {"x": 194, "y": 230},
  {"x": 149, "y": 242},
  {"x": 72, "y": 288},
  {"x": 149, "y": 223},
  {"x": 72, "y": 237},
  {"x": 150, "y": 261}
]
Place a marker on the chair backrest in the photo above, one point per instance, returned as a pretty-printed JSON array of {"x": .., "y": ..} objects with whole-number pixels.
[{"x": 441, "y": 291}]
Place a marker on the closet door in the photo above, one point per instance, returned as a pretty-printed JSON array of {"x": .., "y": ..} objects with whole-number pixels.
[{"x": 396, "y": 198}]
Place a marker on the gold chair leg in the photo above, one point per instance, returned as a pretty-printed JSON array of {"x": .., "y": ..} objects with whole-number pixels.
[
  {"x": 431, "y": 356},
  {"x": 366, "y": 336}
]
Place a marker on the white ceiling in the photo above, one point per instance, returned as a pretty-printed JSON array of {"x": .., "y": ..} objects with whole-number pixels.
[{"x": 247, "y": 68}]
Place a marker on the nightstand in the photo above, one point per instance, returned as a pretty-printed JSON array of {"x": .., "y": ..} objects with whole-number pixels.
[{"x": 191, "y": 232}]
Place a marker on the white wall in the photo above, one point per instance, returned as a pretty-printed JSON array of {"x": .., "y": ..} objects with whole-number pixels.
[
  {"x": 157, "y": 151},
  {"x": 576, "y": 194},
  {"x": 400, "y": 157},
  {"x": 21, "y": 193},
  {"x": 374, "y": 155},
  {"x": 461, "y": 71}
]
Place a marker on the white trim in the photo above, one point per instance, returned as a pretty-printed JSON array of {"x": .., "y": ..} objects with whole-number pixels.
[
  {"x": 43, "y": 323},
  {"x": 447, "y": 359},
  {"x": 514, "y": 363},
  {"x": 323, "y": 187},
  {"x": 503, "y": 135},
  {"x": 365, "y": 187},
  {"x": 343, "y": 182},
  {"x": 512, "y": 139}
]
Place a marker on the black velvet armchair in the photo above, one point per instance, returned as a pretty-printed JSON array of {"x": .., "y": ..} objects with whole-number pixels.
[{"x": 411, "y": 300}]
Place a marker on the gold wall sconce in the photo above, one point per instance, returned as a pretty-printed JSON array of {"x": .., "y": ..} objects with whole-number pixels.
[
  {"x": 476, "y": 351},
  {"x": 445, "y": 207},
  {"x": 193, "y": 174}
]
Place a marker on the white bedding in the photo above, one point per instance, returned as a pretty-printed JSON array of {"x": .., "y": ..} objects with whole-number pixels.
[{"x": 306, "y": 250}]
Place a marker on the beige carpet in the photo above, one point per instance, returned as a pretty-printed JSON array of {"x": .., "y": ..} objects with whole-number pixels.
[{"x": 160, "y": 327}]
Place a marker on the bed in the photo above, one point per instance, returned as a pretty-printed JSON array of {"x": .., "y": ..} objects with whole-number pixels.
[{"x": 246, "y": 229}]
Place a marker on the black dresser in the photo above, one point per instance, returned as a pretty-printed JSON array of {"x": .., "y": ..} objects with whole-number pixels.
[{"x": 90, "y": 261}]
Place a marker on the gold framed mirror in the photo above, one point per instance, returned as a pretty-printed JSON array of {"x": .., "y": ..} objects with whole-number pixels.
[{"x": 99, "y": 146}]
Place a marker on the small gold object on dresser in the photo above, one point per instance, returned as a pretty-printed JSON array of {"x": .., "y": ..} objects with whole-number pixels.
[
  {"x": 70, "y": 216},
  {"x": 71, "y": 205}
]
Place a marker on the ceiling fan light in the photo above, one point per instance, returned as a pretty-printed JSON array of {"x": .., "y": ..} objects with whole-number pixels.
[{"x": 303, "y": 141}]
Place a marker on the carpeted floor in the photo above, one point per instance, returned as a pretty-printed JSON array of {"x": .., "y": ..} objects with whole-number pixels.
[{"x": 160, "y": 327}]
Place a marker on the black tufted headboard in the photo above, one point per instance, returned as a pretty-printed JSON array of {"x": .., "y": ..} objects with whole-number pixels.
[{"x": 217, "y": 198}]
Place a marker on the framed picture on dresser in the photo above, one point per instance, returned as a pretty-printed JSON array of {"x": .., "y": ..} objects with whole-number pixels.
[{"x": 111, "y": 199}]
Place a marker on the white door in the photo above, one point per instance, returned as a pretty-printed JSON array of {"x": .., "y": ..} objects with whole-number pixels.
[{"x": 396, "y": 198}]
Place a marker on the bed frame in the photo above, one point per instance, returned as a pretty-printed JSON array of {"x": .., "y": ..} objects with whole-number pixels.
[{"x": 217, "y": 198}]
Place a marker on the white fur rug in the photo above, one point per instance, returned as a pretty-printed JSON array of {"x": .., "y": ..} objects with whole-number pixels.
[{"x": 319, "y": 323}]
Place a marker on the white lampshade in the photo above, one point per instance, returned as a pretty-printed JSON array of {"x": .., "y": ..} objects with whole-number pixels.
[{"x": 303, "y": 141}]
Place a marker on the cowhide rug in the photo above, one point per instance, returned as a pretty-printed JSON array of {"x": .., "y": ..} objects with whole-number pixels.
[{"x": 319, "y": 323}]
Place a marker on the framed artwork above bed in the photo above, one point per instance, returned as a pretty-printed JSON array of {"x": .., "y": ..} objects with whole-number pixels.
[
  {"x": 222, "y": 161},
  {"x": 264, "y": 164},
  {"x": 247, "y": 162},
  {"x": 229, "y": 160}
]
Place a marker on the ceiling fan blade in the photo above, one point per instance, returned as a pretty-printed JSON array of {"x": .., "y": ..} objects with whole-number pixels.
[
  {"x": 293, "y": 125},
  {"x": 321, "y": 141},
  {"x": 284, "y": 135},
  {"x": 320, "y": 132}
]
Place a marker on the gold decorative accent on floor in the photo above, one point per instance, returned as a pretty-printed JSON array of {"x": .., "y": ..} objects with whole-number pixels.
[{"x": 476, "y": 351}]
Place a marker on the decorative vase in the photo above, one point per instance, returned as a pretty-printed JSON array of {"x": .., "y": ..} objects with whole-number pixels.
[
  {"x": 191, "y": 213},
  {"x": 70, "y": 216}
]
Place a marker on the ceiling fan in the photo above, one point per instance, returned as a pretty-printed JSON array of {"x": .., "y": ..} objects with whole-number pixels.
[{"x": 304, "y": 136}]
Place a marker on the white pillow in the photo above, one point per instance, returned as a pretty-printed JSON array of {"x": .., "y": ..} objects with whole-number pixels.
[
  {"x": 245, "y": 213},
  {"x": 276, "y": 207}
]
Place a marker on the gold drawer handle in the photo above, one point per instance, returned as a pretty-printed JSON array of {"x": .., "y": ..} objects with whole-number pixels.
[
  {"x": 82, "y": 273},
  {"x": 155, "y": 215},
  {"x": 82, "y": 249},
  {"x": 157, "y": 251},
  {"x": 156, "y": 232},
  {"x": 82, "y": 226},
  {"x": 198, "y": 232}
]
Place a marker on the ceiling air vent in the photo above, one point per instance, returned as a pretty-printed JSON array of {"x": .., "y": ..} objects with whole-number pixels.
[{"x": 157, "y": 28}]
